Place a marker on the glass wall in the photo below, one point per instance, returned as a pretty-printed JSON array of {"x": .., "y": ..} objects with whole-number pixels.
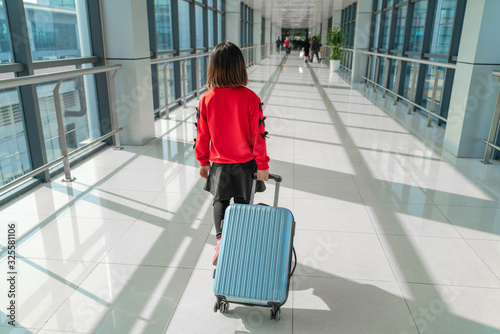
[
  {"x": 196, "y": 28},
  {"x": 58, "y": 40},
  {"x": 163, "y": 16},
  {"x": 348, "y": 25},
  {"x": 419, "y": 29},
  {"x": 5, "y": 42},
  {"x": 246, "y": 25},
  {"x": 58, "y": 29}
]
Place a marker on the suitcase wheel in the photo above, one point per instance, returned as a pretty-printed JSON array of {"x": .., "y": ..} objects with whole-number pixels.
[
  {"x": 216, "y": 306},
  {"x": 221, "y": 305},
  {"x": 224, "y": 307},
  {"x": 275, "y": 314}
]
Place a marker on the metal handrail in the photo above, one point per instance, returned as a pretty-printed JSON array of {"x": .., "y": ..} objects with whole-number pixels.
[
  {"x": 493, "y": 128},
  {"x": 60, "y": 76},
  {"x": 177, "y": 58},
  {"x": 47, "y": 77},
  {"x": 183, "y": 60},
  {"x": 397, "y": 96},
  {"x": 413, "y": 60}
]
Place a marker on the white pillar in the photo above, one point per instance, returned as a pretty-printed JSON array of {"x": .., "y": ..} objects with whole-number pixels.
[
  {"x": 257, "y": 34},
  {"x": 274, "y": 36},
  {"x": 267, "y": 37},
  {"x": 361, "y": 37},
  {"x": 128, "y": 44},
  {"x": 233, "y": 17},
  {"x": 475, "y": 90}
]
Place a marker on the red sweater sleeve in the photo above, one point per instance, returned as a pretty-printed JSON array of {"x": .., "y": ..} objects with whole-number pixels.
[
  {"x": 202, "y": 147},
  {"x": 258, "y": 133}
]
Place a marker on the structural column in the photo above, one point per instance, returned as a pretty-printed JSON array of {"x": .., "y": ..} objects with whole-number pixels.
[
  {"x": 233, "y": 17},
  {"x": 267, "y": 37},
  {"x": 475, "y": 90},
  {"x": 361, "y": 37},
  {"x": 128, "y": 44}
]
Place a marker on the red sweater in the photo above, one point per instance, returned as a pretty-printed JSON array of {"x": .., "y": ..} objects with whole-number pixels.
[{"x": 231, "y": 128}]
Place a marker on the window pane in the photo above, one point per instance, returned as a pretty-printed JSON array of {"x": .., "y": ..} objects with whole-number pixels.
[
  {"x": 210, "y": 3},
  {"x": 184, "y": 31},
  {"x": 429, "y": 85},
  {"x": 443, "y": 26},
  {"x": 199, "y": 26},
  {"x": 377, "y": 29},
  {"x": 188, "y": 67},
  {"x": 203, "y": 72},
  {"x": 391, "y": 83},
  {"x": 417, "y": 27},
  {"x": 219, "y": 27},
  {"x": 387, "y": 29},
  {"x": 163, "y": 25},
  {"x": 79, "y": 108},
  {"x": 408, "y": 77},
  {"x": 57, "y": 33},
  {"x": 5, "y": 46},
  {"x": 400, "y": 28},
  {"x": 14, "y": 157},
  {"x": 169, "y": 72},
  {"x": 211, "y": 39},
  {"x": 389, "y": 3},
  {"x": 220, "y": 4}
]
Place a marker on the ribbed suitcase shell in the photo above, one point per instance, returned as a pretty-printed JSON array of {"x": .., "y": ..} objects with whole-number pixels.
[{"x": 254, "y": 256}]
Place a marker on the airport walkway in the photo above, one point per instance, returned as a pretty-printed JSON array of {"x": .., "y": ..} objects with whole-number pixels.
[{"x": 394, "y": 236}]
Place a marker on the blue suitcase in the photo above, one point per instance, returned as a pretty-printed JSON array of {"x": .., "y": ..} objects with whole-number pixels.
[{"x": 255, "y": 255}]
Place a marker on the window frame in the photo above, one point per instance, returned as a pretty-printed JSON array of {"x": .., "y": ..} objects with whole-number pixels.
[{"x": 24, "y": 65}]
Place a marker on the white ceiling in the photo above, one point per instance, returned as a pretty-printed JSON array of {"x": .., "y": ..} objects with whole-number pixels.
[{"x": 296, "y": 13}]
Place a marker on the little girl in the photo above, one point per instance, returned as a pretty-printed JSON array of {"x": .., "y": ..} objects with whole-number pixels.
[{"x": 231, "y": 134}]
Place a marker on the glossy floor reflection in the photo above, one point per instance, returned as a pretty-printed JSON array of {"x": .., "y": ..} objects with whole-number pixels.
[{"x": 394, "y": 235}]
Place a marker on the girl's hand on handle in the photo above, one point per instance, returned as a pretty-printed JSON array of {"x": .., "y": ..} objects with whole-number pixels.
[
  {"x": 204, "y": 171},
  {"x": 263, "y": 175}
]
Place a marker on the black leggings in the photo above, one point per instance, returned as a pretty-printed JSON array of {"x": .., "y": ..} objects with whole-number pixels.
[
  {"x": 219, "y": 210},
  {"x": 312, "y": 55}
]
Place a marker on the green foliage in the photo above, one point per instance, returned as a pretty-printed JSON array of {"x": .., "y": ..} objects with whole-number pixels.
[{"x": 335, "y": 37}]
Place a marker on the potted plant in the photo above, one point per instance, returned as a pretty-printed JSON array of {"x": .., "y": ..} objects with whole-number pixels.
[{"x": 335, "y": 38}]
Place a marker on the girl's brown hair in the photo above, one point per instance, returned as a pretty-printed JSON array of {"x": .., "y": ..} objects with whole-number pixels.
[{"x": 226, "y": 67}]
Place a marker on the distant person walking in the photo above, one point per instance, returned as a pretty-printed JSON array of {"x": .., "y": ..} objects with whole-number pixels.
[
  {"x": 286, "y": 44},
  {"x": 278, "y": 45},
  {"x": 306, "y": 50},
  {"x": 314, "y": 49}
]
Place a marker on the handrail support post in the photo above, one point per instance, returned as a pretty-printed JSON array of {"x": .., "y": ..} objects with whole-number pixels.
[
  {"x": 197, "y": 60},
  {"x": 368, "y": 74},
  {"x": 165, "y": 91},
  {"x": 433, "y": 100},
  {"x": 377, "y": 67},
  {"x": 62, "y": 133},
  {"x": 184, "y": 93},
  {"x": 386, "y": 76},
  {"x": 114, "y": 111},
  {"x": 398, "y": 77},
  {"x": 412, "y": 92}
]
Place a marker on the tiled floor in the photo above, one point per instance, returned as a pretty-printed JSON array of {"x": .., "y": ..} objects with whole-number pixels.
[{"x": 394, "y": 235}]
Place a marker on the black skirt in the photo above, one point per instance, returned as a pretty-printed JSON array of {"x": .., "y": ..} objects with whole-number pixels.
[{"x": 226, "y": 181}]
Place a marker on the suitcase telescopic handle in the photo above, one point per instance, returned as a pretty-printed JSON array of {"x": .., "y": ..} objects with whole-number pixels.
[{"x": 274, "y": 177}]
